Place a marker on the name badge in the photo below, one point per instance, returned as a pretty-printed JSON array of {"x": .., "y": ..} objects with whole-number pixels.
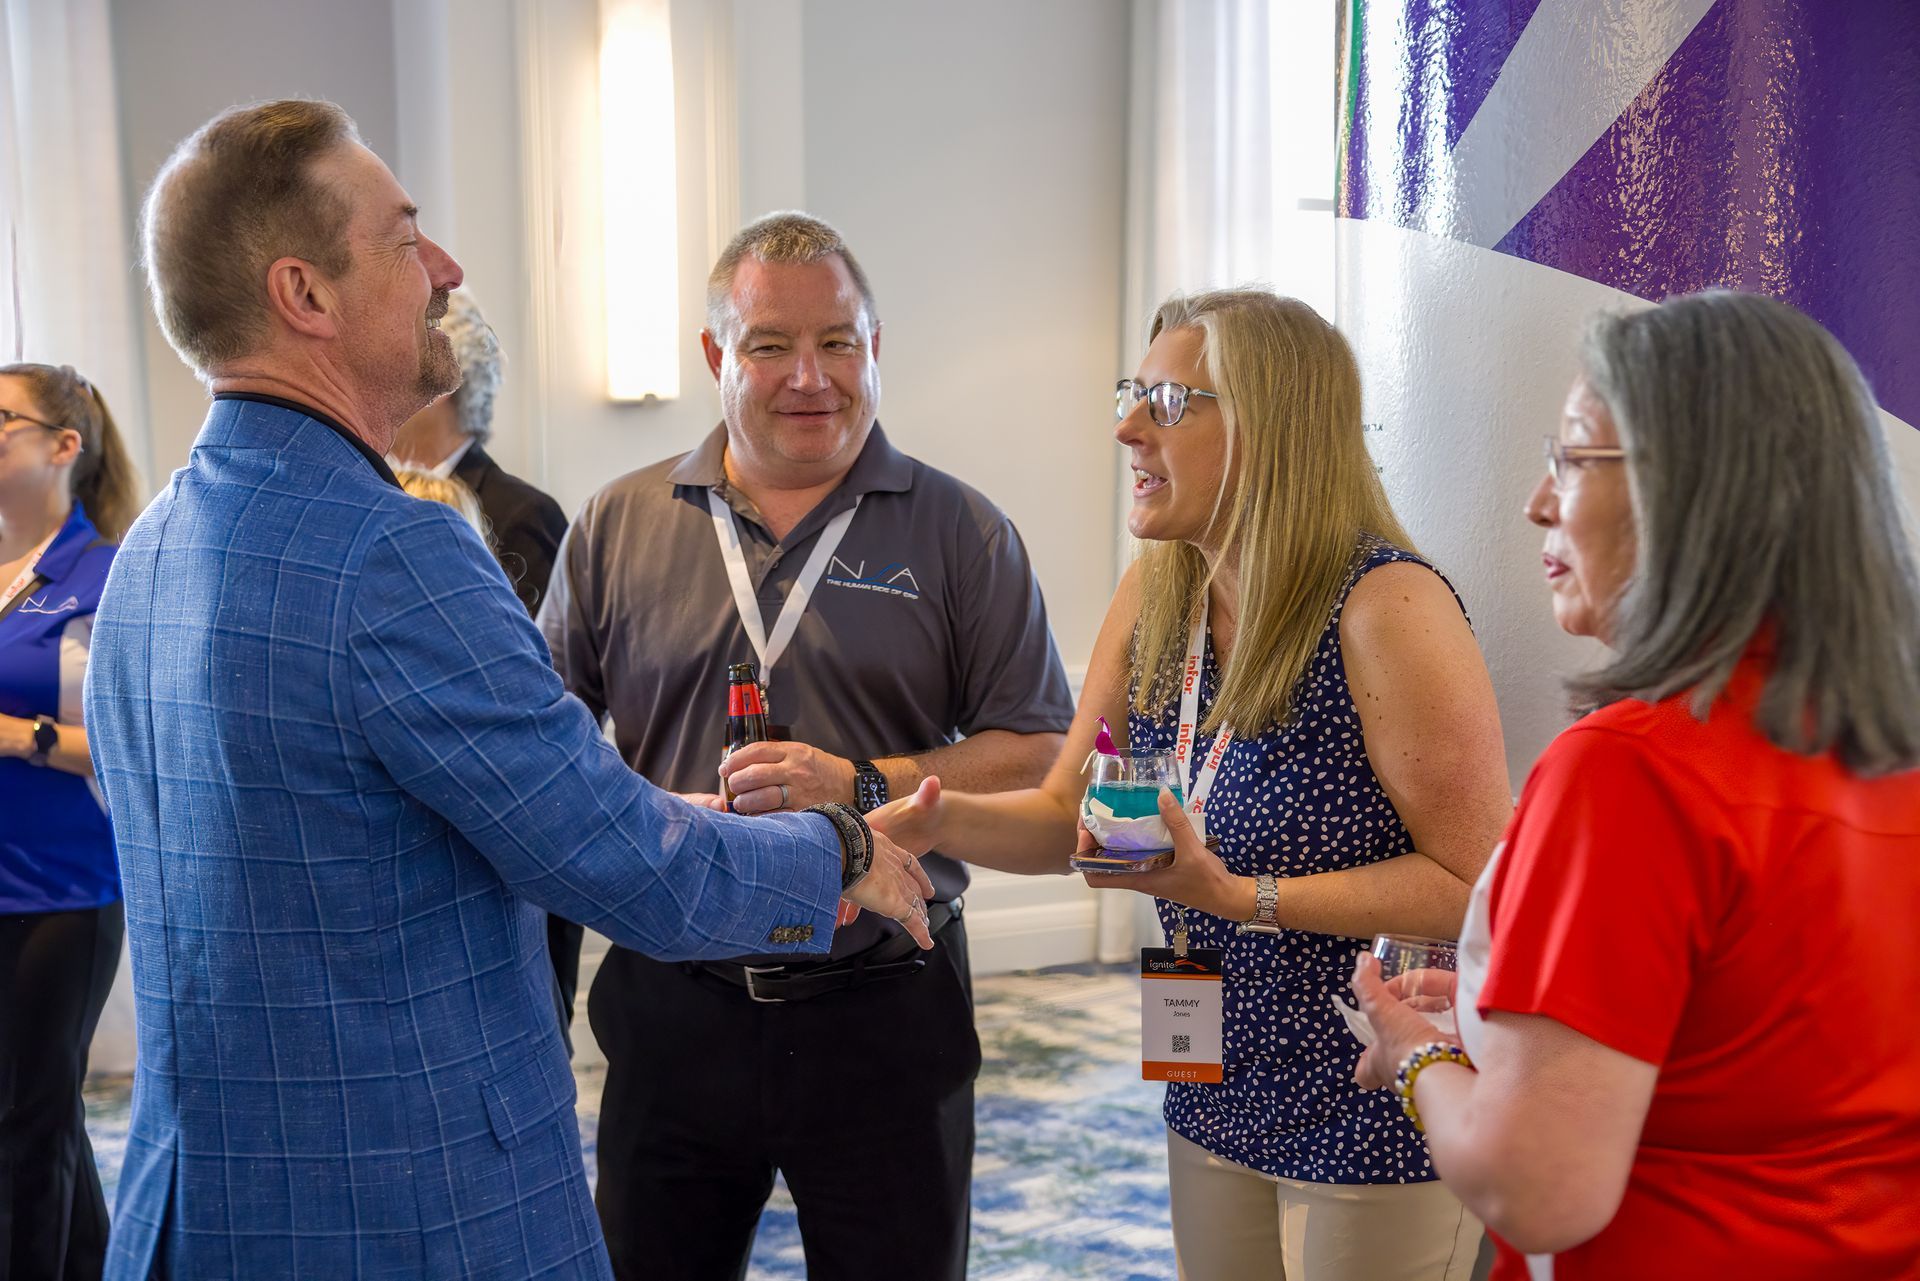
[{"x": 1180, "y": 1010}]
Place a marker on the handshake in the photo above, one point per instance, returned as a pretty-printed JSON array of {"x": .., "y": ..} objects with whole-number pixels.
[{"x": 769, "y": 777}]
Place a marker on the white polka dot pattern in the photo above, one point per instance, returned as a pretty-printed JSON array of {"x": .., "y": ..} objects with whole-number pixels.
[{"x": 1294, "y": 802}]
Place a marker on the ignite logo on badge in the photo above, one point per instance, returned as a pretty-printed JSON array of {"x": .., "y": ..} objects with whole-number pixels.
[
  {"x": 1180, "y": 1014},
  {"x": 892, "y": 579}
]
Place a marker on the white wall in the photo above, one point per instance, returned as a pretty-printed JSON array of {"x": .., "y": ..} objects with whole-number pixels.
[
  {"x": 178, "y": 62},
  {"x": 974, "y": 156}
]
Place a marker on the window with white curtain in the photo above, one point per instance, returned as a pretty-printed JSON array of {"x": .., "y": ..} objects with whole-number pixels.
[
  {"x": 1231, "y": 158},
  {"x": 67, "y": 292}
]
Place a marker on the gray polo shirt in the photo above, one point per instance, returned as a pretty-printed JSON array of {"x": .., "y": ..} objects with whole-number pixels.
[{"x": 927, "y": 626}]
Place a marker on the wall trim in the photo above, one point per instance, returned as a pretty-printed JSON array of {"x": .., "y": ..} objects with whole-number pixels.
[
  {"x": 1003, "y": 939},
  {"x": 723, "y": 130},
  {"x": 540, "y": 219}
]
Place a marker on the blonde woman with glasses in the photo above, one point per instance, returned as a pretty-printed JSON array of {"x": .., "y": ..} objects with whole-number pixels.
[{"x": 1359, "y": 785}]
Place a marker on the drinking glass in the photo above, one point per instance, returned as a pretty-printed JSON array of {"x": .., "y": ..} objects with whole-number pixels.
[
  {"x": 1424, "y": 969},
  {"x": 1131, "y": 834}
]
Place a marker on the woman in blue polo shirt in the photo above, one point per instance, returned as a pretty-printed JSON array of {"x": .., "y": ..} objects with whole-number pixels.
[{"x": 66, "y": 495}]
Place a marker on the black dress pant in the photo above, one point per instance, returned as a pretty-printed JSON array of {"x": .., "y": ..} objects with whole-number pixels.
[
  {"x": 862, "y": 1098},
  {"x": 56, "y": 969},
  {"x": 563, "y": 949}
]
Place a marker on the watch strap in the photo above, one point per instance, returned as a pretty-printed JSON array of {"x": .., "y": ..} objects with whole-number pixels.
[
  {"x": 1266, "y": 906},
  {"x": 46, "y": 737},
  {"x": 870, "y": 790}
]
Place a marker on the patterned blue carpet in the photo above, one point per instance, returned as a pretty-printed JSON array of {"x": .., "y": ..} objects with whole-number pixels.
[{"x": 1069, "y": 1176}]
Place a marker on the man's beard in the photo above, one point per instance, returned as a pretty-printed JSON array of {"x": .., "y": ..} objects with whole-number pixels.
[{"x": 439, "y": 369}]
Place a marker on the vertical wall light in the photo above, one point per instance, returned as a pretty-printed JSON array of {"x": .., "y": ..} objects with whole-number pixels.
[{"x": 639, "y": 189}]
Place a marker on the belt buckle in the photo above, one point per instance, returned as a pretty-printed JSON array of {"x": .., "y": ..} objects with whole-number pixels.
[{"x": 753, "y": 993}]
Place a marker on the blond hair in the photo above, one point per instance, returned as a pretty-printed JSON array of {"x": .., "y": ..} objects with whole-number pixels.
[
  {"x": 1306, "y": 491},
  {"x": 233, "y": 198},
  {"x": 103, "y": 479},
  {"x": 449, "y": 491}
]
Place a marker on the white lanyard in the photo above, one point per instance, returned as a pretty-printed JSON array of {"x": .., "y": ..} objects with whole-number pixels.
[
  {"x": 770, "y": 648},
  {"x": 27, "y": 575},
  {"x": 1190, "y": 720}
]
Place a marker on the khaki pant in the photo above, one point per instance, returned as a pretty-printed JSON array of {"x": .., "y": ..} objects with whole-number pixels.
[{"x": 1231, "y": 1223}]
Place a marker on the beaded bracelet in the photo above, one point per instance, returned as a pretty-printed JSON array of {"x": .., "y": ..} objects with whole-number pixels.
[
  {"x": 856, "y": 840},
  {"x": 1424, "y": 1057}
]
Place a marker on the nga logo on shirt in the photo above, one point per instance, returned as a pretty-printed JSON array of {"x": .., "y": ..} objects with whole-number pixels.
[
  {"x": 892, "y": 579},
  {"x": 38, "y": 605}
]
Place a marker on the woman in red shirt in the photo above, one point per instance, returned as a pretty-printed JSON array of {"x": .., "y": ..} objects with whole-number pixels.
[{"x": 1690, "y": 974}]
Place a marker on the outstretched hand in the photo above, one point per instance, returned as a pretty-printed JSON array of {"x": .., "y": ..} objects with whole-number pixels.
[
  {"x": 896, "y": 885},
  {"x": 912, "y": 822}
]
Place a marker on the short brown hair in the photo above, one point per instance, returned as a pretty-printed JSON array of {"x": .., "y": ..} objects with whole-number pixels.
[
  {"x": 237, "y": 195},
  {"x": 780, "y": 237}
]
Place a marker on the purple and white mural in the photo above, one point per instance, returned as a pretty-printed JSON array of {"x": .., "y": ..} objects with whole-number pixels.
[{"x": 1509, "y": 166}]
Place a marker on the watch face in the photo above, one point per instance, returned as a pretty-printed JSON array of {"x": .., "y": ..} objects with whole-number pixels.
[
  {"x": 46, "y": 736},
  {"x": 869, "y": 787}
]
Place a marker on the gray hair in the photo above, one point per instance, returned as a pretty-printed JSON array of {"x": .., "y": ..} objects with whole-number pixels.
[
  {"x": 477, "y": 350},
  {"x": 788, "y": 237},
  {"x": 1764, "y": 501}
]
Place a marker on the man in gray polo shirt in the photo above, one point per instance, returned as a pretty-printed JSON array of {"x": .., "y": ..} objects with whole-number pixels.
[{"x": 893, "y": 613}]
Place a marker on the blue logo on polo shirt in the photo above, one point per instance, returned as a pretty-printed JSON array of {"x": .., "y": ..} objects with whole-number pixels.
[{"x": 893, "y": 579}]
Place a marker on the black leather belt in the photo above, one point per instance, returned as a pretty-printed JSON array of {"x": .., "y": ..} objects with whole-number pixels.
[{"x": 890, "y": 958}]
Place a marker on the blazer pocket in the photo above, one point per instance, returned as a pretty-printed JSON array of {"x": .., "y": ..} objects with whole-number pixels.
[{"x": 526, "y": 1098}]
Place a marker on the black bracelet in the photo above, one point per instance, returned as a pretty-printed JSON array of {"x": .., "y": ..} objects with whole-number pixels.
[{"x": 856, "y": 840}]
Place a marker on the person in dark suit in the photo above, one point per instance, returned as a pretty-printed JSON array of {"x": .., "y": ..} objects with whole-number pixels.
[{"x": 448, "y": 438}]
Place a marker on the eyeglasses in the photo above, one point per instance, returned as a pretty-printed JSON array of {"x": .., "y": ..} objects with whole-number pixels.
[
  {"x": 1167, "y": 402},
  {"x": 1564, "y": 459},
  {"x": 9, "y": 417}
]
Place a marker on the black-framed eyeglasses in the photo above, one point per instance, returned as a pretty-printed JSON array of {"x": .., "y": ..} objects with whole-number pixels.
[
  {"x": 9, "y": 417},
  {"x": 1564, "y": 459},
  {"x": 1166, "y": 402}
]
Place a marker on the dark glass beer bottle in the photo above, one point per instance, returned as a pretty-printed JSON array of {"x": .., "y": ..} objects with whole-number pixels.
[{"x": 746, "y": 716}]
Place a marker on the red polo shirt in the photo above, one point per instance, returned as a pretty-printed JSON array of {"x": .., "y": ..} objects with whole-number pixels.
[{"x": 1749, "y": 921}]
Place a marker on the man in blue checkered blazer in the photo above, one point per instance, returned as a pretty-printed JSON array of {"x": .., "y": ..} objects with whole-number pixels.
[{"x": 345, "y": 782}]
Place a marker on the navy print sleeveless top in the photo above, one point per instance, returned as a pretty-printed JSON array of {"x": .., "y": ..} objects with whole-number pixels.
[{"x": 1293, "y": 802}]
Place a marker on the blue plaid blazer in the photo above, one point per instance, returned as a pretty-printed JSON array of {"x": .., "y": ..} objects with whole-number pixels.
[{"x": 344, "y": 781}]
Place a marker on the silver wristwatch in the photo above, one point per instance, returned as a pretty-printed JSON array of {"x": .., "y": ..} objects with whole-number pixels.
[{"x": 1266, "y": 906}]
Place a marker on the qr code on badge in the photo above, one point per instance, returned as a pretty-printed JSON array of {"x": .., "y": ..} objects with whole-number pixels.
[{"x": 1182, "y": 1043}]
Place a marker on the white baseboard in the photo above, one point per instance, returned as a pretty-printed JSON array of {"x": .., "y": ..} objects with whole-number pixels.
[{"x": 1026, "y": 922}]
